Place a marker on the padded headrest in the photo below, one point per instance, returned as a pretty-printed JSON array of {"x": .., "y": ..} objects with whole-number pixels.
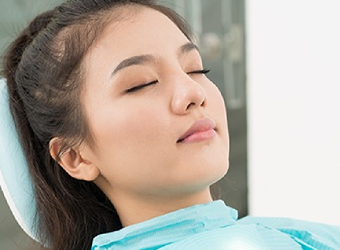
[{"x": 15, "y": 180}]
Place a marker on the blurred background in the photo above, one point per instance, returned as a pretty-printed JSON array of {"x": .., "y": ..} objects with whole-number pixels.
[{"x": 277, "y": 64}]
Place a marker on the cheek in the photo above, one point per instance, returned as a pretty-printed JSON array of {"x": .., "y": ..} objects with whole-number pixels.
[
  {"x": 216, "y": 103},
  {"x": 127, "y": 135},
  {"x": 134, "y": 144},
  {"x": 128, "y": 126},
  {"x": 218, "y": 111}
]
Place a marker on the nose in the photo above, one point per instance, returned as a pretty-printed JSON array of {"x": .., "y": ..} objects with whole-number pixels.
[{"x": 187, "y": 95}]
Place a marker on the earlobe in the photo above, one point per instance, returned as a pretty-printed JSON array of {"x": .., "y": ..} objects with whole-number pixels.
[{"x": 72, "y": 162}]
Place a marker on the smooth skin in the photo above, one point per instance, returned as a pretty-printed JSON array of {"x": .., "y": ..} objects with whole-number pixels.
[{"x": 144, "y": 89}]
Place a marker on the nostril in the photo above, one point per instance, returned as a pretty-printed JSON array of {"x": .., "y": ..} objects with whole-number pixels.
[
  {"x": 190, "y": 104},
  {"x": 203, "y": 103}
]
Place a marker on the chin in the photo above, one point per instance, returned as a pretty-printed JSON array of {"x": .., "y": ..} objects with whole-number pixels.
[
  {"x": 220, "y": 173},
  {"x": 212, "y": 174}
]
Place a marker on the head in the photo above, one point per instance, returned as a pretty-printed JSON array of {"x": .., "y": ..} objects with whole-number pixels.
[{"x": 102, "y": 93}]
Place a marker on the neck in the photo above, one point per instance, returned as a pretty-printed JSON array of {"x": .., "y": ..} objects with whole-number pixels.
[{"x": 132, "y": 209}]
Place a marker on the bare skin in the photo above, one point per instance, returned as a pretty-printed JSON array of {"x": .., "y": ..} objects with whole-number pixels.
[{"x": 137, "y": 112}]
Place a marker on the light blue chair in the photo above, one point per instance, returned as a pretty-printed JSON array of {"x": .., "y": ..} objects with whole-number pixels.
[{"x": 15, "y": 181}]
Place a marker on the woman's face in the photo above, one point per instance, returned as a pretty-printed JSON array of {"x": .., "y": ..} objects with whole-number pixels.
[{"x": 144, "y": 90}]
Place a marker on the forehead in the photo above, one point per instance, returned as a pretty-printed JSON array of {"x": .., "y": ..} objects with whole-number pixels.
[{"x": 138, "y": 30}]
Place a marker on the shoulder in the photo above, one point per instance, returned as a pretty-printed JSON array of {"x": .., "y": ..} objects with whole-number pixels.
[
  {"x": 253, "y": 233},
  {"x": 318, "y": 235}
]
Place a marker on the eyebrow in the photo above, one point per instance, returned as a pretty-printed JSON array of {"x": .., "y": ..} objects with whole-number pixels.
[
  {"x": 187, "y": 48},
  {"x": 145, "y": 59}
]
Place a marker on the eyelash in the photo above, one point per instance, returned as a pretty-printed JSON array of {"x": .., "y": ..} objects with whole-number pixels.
[
  {"x": 203, "y": 71},
  {"x": 135, "y": 89}
]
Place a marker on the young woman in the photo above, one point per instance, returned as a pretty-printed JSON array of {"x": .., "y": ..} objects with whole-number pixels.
[{"x": 124, "y": 135}]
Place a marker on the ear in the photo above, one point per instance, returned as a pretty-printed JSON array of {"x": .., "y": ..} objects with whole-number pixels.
[{"x": 73, "y": 163}]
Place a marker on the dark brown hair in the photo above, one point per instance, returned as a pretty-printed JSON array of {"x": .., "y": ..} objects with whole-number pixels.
[{"x": 44, "y": 73}]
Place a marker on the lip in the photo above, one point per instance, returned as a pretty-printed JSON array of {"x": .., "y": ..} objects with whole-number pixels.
[{"x": 200, "y": 130}]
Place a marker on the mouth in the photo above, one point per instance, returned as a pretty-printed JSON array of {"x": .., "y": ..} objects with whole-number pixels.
[{"x": 202, "y": 129}]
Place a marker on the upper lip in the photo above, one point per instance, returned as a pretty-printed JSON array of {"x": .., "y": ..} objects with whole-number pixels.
[{"x": 198, "y": 126}]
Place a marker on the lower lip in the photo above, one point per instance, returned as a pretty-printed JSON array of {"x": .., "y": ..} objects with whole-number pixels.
[{"x": 200, "y": 136}]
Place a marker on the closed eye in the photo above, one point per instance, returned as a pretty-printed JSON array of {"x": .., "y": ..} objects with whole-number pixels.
[
  {"x": 139, "y": 87},
  {"x": 202, "y": 71}
]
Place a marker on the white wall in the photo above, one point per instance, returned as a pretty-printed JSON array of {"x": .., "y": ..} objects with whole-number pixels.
[{"x": 294, "y": 108}]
